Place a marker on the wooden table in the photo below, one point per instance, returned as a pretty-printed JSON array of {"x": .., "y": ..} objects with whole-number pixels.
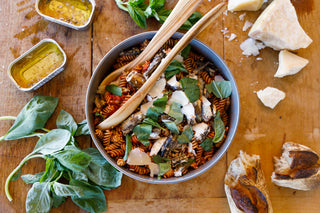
[{"x": 261, "y": 130}]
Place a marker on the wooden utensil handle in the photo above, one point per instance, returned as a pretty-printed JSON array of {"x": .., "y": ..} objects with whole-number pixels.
[
  {"x": 181, "y": 12},
  {"x": 128, "y": 108}
]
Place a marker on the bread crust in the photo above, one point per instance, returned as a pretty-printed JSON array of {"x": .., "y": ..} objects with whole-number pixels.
[{"x": 297, "y": 168}]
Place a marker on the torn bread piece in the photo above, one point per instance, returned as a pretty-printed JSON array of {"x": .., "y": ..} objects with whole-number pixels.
[
  {"x": 248, "y": 5},
  {"x": 297, "y": 168},
  {"x": 289, "y": 64},
  {"x": 245, "y": 185},
  {"x": 270, "y": 96},
  {"x": 278, "y": 27}
]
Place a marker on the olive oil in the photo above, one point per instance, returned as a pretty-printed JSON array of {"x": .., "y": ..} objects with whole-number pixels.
[
  {"x": 37, "y": 65},
  {"x": 76, "y": 12}
]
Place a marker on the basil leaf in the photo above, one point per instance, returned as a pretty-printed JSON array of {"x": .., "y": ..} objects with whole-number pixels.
[
  {"x": 137, "y": 14},
  {"x": 207, "y": 144},
  {"x": 174, "y": 68},
  {"x": 83, "y": 128},
  {"x": 190, "y": 88},
  {"x": 160, "y": 104},
  {"x": 196, "y": 16},
  {"x": 186, "y": 136},
  {"x": 101, "y": 172},
  {"x": 49, "y": 171},
  {"x": 57, "y": 200},
  {"x": 65, "y": 190},
  {"x": 171, "y": 126},
  {"x": 158, "y": 159},
  {"x": 152, "y": 113},
  {"x": 175, "y": 112},
  {"x": 185, "y": 52},
  {"x": 33, "y": 116},
  {"x": 163, "y": 14},
  {"x": 143, "y": 131},
  {"x": 157, "y": 4},
  {"x": 128, "y": 147},
  {"x": 93, "y": 200},
  {"x": 220, "y": 89},
  {"x": 219, "y": 128},
  {"x": 73, "y": 158},
  {"x": 122, "y": 5},
  {"x": 29, "y": 178},
  {"x": 163, "y": 168},
  {"x": 113, "y": 89},
  {"x": 79, "y": 176},
  {"x": 53, "y": 141},
  {"x": 151, "y": 122},
  {"x": 66, "y": 121},
  {"x": 38, "y": 198}
]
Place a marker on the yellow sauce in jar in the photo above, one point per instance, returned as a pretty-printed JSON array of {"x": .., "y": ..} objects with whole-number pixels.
[
  {"x": 76, "y": 12},
  {"x": 37, "y": 65}
]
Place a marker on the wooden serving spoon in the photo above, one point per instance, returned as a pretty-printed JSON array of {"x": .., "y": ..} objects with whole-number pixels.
[
  {"x": 181, "y": 12},
  {"x": 128, "y": 108}
]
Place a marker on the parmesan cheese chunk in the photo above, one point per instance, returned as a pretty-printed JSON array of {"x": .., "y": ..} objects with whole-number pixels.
[
  {"x": 249, "y": 5},
  {"x": 278, "y": 27},
  {"x": 156, "y": 90},
  {"x": 180, "y": 97},
  {"x": 270, "y": 96},
  {"x": 289, "y": 64}
]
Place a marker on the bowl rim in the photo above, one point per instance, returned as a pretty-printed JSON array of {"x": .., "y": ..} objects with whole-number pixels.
[{"x": 235, "y": 105}]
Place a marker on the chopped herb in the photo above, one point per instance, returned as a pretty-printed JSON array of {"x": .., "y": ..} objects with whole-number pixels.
[
  {"x": 171, "y": 126},
  {"x": 113, "y": 89},
  {"x": 175, "y": 112},
  {"x": 219, "y": 128},
  {"x": 185, "y": 52},
  {"x": 152, "y": 113},
  {"x": 186, "y": 136},
  {"x": 221, "y": 89},
  {"x": 196, "y": 16},
  {"x": 174, "y": 68},
  {"x": 151, "y": 122},
  {"x": 160, "y": 104},
  {"x": 163, "y": 168},
  {"x": 143, "y": 131},
  {"x": 158, "y": 159},
  {"x": 128, "y": 147},
  {"x": 190, "y": 88},
  {"x": 207, "y": 144}
]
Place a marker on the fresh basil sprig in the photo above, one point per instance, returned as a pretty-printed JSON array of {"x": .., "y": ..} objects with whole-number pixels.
[
  {"x": 221, "y": 89},
  {"x": 174, "y": 68},
  {"x": 87, "y": 172}
]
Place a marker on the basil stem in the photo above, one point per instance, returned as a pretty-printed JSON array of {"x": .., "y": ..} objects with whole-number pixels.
[{"x": 28, "y": 157}]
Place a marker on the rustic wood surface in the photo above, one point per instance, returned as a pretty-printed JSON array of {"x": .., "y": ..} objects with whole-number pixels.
[{"x": 261, "y": 130}]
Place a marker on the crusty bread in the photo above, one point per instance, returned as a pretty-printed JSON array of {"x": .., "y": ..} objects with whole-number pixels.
[
  {"x": 297, "y": 168},
  {"x": 245, "y": 185}
]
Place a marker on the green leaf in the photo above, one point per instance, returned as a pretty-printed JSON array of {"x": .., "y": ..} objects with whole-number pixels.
[
  {"x": 171, "y": 126},
  {"x": 185, "y": 52},
  {"x": 190, "y": 88},
  {"x": 207, "y": 144},
  {"x": 175, "y": 112},
  {"x": 80, "y": 176},
  {"x": 122, "y": 5},
  {"x": 163, "y": 168},
  {"x": 113, "y": 89},
  {"x": 53, "y": 141},
  {"x": 157, "y": 4},
  {"x": 93, "y": 200},
  {"x": 64, "y": 190},
  {"x": 16, "y": 176},
  {"x": 186, "y": 136},
  {"x": 163, "y": 15},
  {"x": 219, "y": 128},
  {"x": 38, "y": 198},
  {"x": 196, "y": 16},
  {"x": 57, "y": 200},
  {"x": 137, "y": 14},
  {"x": 66, "y": 121},
  {"x": 151, "y": 122},
  {"x": 143, "y": 131},
  {"x": 152, "y": 113},
  {"x": 174, "y": 68},
  {"x": 83, "y": 128},
  {"x": 128, "y": 147},
  {"x": 49, "y": 172},
  {"x": 33, "y": 116},
  {"x": 73, "y": 158},
  {"x": 158, "y": 159},
  {"x": 220, "y": 89},
  {"x": 160, "y": 104},
  {"x": 101, "y": 172},
  {"x": 29, "y": 178}
]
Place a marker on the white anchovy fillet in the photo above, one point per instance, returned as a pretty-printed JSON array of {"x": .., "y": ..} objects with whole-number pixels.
[
  {"x": 201, "y": 131},
  {"x": 206, "y": 109},
  {"x": 157, "y": 146},
  {"x": 188, "y": 111}
]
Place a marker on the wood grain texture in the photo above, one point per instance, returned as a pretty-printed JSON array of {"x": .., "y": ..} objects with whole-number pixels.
[{"x": 261, "y": 130}]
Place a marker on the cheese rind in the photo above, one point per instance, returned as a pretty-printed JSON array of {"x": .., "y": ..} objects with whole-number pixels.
[
  {"x": 289, "y": 64},
  {"x": 278, "y": 27},
  {"x": 249, "y": 5},
  {"x": 270, "y": 96}
]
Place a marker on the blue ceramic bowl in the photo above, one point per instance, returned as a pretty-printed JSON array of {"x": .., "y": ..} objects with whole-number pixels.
[{"x": 103, "y": 70}]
